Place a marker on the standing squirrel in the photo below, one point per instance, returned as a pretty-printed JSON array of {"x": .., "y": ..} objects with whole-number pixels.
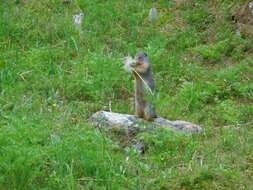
[{"x": 143, "y": 77}]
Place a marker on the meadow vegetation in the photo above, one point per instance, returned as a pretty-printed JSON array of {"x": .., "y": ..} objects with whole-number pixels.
[{"x": 52, "y": 80}]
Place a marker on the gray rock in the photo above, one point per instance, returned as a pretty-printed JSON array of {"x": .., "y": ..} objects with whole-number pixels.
[
  {"x": 139, "y": 147},
  {"x": 133, "y": 123}
]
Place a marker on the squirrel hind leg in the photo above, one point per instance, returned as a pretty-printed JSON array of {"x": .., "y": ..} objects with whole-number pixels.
[
  {"x": 140, "y": 113},
  {"x": 149, "y": 117},
  {"x": 139, "y": 108},
  {"x": 149, "y": 112}
]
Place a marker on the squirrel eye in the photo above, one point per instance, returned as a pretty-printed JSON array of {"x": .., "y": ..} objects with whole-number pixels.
[{"x": 145, "y": 54}]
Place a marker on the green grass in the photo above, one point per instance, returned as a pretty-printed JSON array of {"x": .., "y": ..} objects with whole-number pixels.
[{"x": 52, "y": 80}]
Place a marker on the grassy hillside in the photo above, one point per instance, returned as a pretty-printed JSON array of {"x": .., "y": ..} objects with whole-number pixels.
[{"x": 52, "y": 80}]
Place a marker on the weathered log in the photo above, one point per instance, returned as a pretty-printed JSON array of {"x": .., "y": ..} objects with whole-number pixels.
[{"x": 133, "y": 123}]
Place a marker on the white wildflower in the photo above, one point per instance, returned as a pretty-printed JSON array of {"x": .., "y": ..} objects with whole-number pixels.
[
  {"x": 78, "y": 18},
  {"x": 128, "y": 62},
  {"x": 238, "y": 32},
  {"x": 152, "y": 14},
  {"x": 251, "y": 7}
]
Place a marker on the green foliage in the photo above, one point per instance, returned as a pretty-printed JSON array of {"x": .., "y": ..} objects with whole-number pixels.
[
  {"x": 52, "y": 78},
  {"x": 213, "y": 52},
  {"x": 234, "y": 47}
]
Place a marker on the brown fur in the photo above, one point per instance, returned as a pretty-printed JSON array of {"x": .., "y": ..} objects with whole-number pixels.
[
  {"x": 148, "y": 118},
  {"x": 142, "y": 68},
  {"x": 139, "y": 94},
  {"x": 143, "y": 109}
]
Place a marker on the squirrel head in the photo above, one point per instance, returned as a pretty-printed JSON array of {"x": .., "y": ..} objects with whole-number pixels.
[
  {"x": 141, "y": 57},
  {"x": 141, "y": 63}
]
